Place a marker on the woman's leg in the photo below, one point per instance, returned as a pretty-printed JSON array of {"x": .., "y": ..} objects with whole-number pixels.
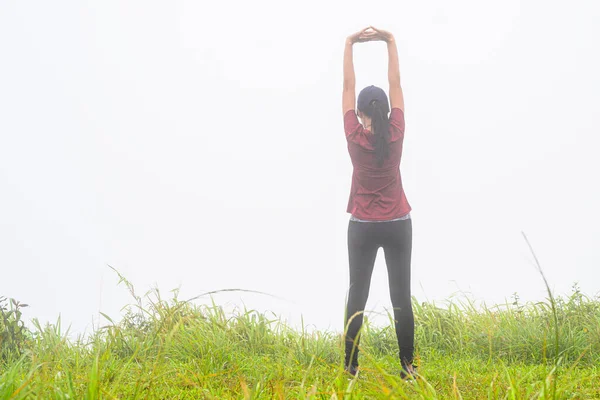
[
  {"x": 398, "y": 248},
  {"x": 362, "y": 250}
]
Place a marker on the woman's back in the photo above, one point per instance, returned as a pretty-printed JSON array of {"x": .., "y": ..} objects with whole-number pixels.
[{"x": 376, "y": 193}]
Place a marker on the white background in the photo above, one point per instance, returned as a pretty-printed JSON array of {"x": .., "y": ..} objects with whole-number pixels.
[{"x": 200, "y": 145}]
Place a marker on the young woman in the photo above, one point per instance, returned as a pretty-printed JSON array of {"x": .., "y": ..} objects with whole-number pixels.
[{"x": 380, "y": 213}]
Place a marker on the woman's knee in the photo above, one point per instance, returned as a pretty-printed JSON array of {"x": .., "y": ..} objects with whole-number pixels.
[{"x": 402, "y": 304}]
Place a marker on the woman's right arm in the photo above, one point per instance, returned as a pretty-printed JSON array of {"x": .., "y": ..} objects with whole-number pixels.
[{"x": 395, "y": 92}]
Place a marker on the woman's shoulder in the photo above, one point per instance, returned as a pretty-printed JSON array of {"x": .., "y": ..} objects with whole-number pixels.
[
  {"x": 397, "y": 113},
  {"x": 397, "y": 123}
]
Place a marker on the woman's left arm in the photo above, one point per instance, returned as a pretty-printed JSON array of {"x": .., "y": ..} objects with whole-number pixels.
[{"x": 349, "y": 91}]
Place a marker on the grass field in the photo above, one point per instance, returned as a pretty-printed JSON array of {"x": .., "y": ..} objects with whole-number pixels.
[{"x": 170, "y": 349}]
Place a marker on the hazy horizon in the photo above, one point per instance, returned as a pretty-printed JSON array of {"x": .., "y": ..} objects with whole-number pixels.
[{"x": 202, "y": 147}]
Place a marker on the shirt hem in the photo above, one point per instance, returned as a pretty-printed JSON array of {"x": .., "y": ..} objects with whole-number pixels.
[{"x": 381, "y": 220}]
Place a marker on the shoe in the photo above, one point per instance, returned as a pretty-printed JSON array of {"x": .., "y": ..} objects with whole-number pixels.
[
  {"x": 408, "y": 372},
  {"x": 352, "y": 370}
]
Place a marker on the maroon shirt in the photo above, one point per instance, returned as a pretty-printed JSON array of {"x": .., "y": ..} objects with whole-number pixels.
[{"x": 376, "y": 193}]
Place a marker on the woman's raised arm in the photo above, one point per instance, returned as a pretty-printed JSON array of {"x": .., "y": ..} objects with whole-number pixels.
[
  {"x": 349, "y": 90},
  {"x": 395, "y": 92}
]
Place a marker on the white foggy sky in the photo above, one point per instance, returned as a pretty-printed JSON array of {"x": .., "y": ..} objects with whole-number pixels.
[{"x": 200, "y": 145}]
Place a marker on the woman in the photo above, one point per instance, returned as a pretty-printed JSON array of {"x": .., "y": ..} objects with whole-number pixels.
[{"x": 380, "y": 213}]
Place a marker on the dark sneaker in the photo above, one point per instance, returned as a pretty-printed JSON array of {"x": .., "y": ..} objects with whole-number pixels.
[
  {"x": 352, "y": 370},
  {"x": 408, "y": 372}
]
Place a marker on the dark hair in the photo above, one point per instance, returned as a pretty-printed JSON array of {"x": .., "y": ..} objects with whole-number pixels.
[{"x": 378, "y": 111}]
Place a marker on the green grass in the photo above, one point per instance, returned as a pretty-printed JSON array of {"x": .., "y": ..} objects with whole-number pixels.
[{"x": 174, "y": 349}]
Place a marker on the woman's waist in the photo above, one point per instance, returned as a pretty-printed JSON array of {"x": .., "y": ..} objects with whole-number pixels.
[
  {"x": 402, "y": 218},
  {"x": 377, "y": 173}
]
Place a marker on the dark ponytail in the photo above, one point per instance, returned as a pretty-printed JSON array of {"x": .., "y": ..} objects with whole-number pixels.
[{"x": 380, "y": 126}]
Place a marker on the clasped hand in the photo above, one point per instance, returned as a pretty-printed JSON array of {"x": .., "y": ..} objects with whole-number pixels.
[{"x": 370, "y": 34}]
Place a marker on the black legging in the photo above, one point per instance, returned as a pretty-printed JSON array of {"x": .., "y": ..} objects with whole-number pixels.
[{"x": 364, "y": 239}]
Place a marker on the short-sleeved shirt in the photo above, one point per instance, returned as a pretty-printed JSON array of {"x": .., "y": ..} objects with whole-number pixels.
[{"x": 376, "y": 193}]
